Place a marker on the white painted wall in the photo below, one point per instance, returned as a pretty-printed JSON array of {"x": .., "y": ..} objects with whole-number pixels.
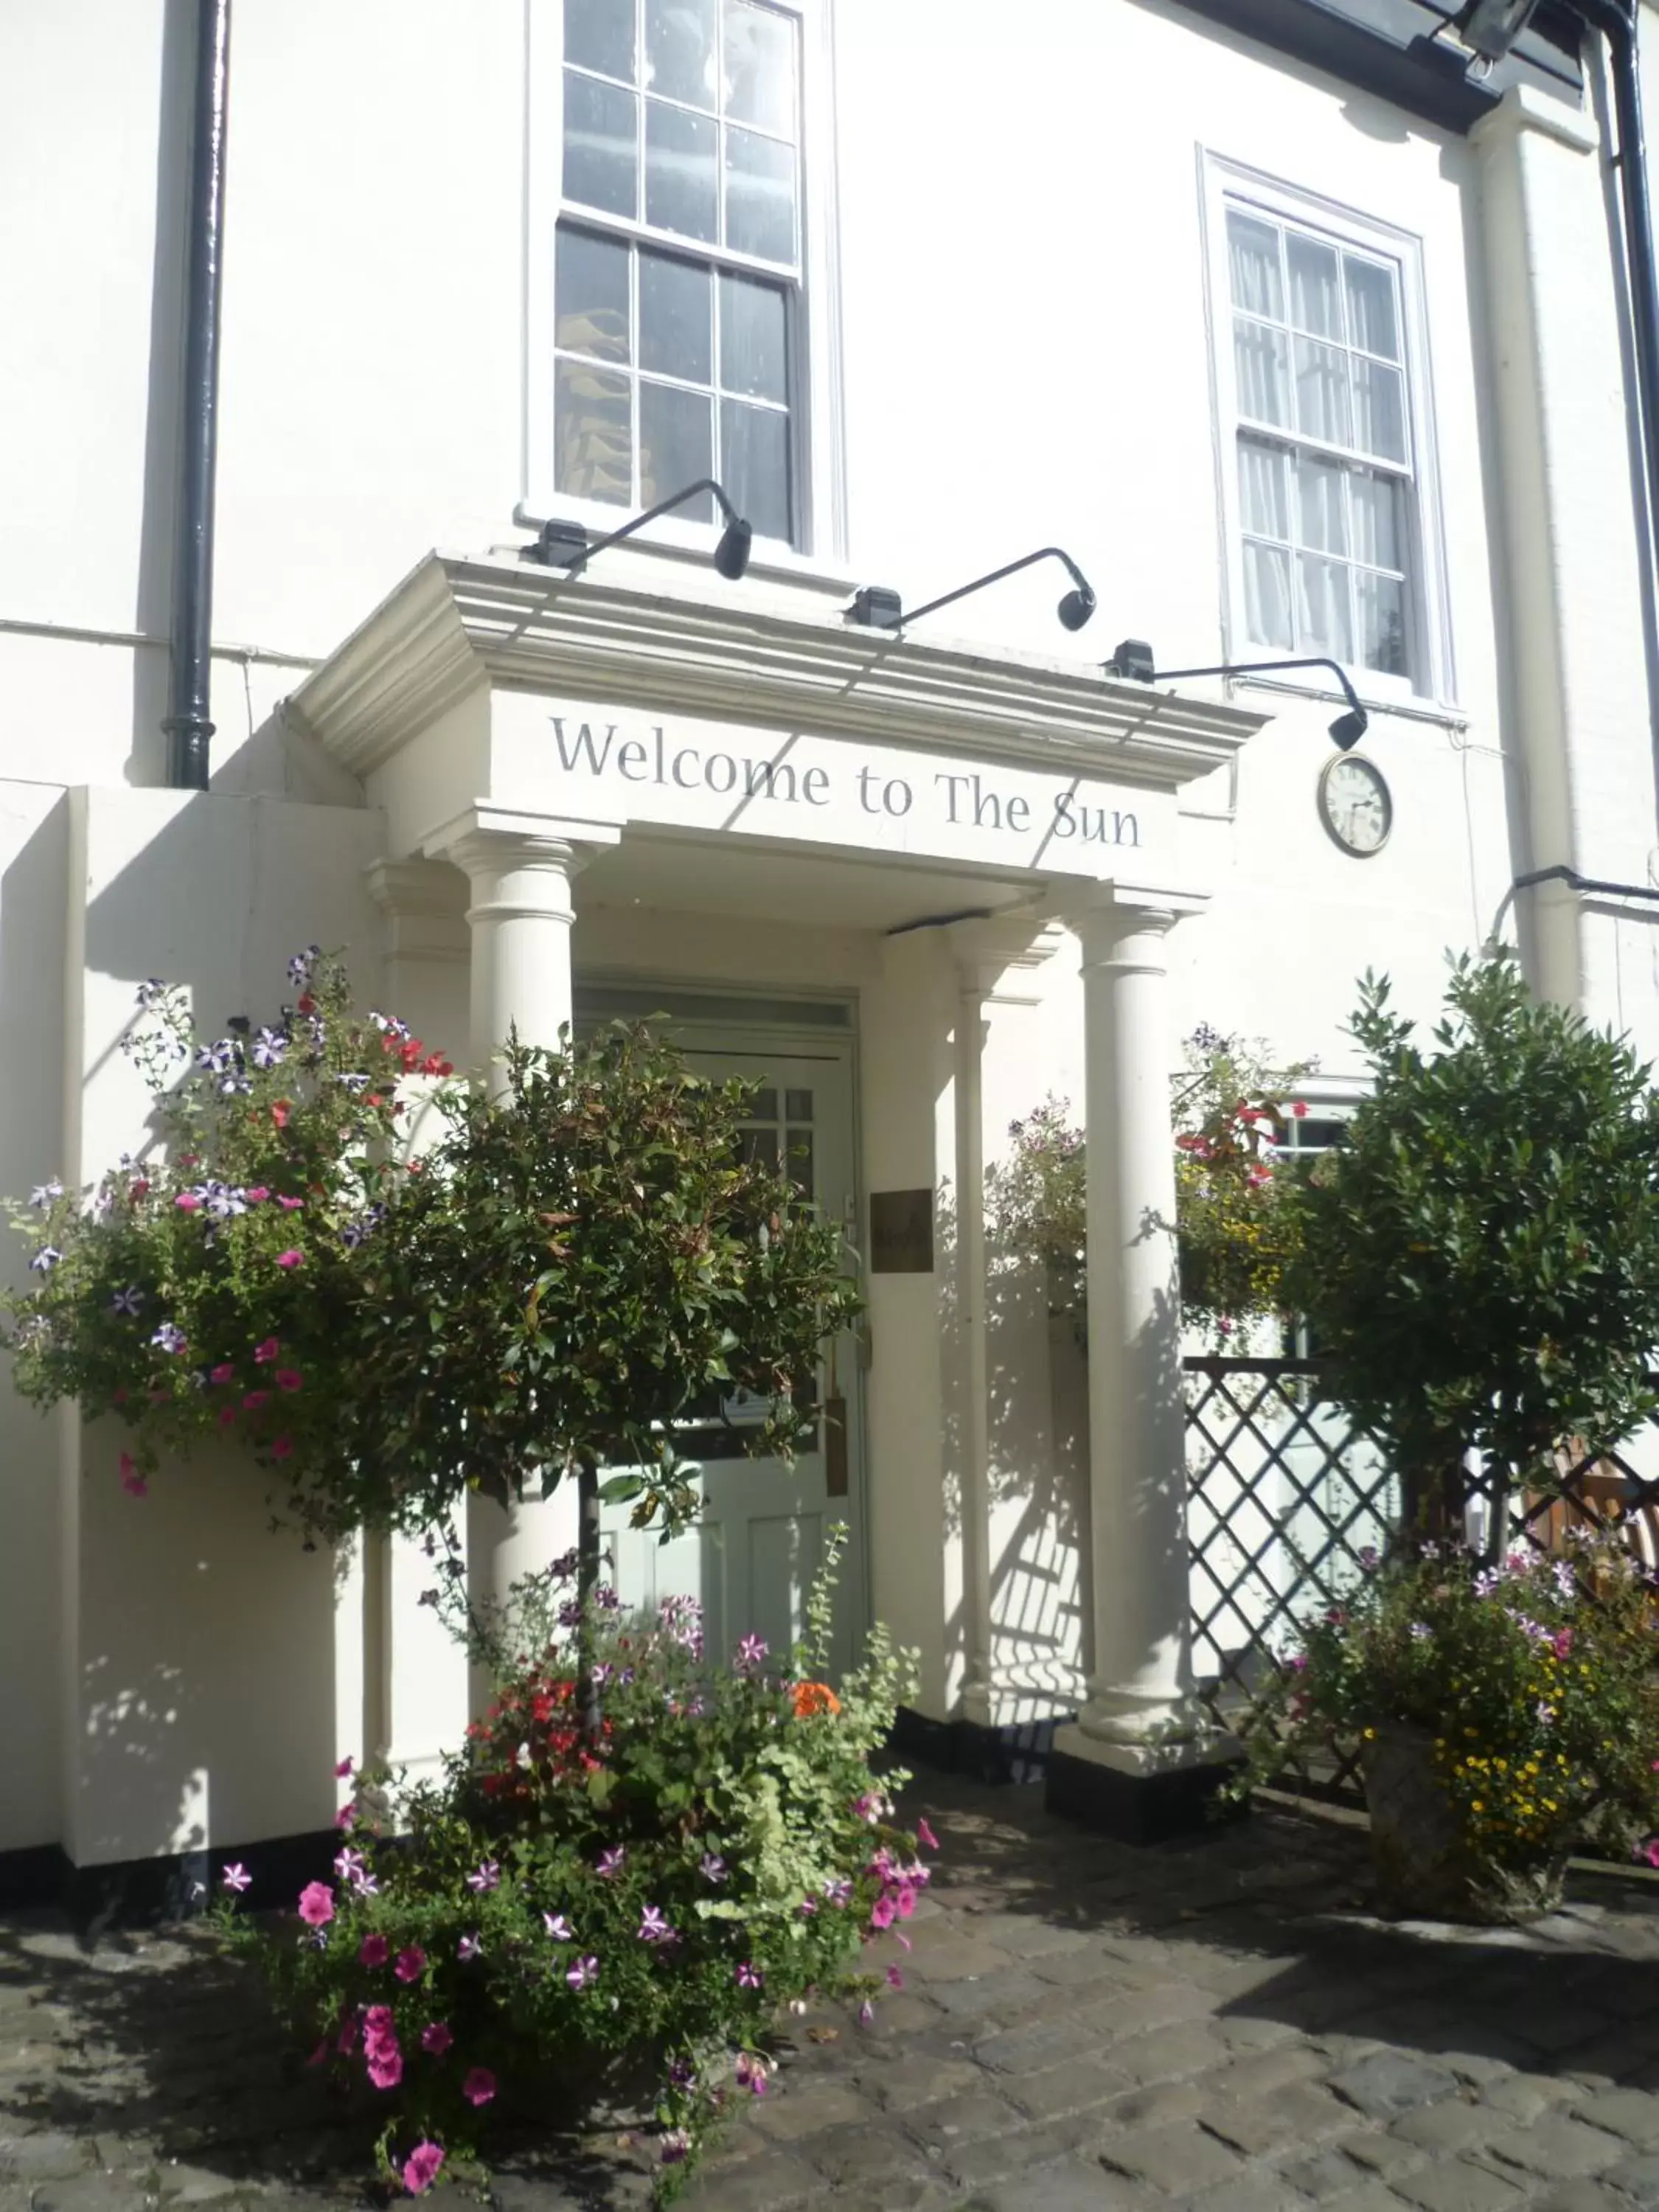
[{"x": 1027, "y": 361}]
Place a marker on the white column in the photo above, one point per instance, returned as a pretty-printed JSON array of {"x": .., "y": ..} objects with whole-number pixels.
[
  {"x": 1141, "y": 1714},
  {"x": 972, "y": 1296},
  {"x": 521, "y": 868}
]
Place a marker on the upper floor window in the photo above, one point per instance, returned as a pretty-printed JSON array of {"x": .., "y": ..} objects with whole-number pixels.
[
  {"x": 677, "y": 343},
  {"x": 1327, "y": 453}
]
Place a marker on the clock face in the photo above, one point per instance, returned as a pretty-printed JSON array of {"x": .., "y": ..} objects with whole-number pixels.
[{"x": 1354, "y": 805}]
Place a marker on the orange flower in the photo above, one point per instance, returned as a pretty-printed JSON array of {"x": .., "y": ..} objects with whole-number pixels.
[{"x": 812, "y": 1697}]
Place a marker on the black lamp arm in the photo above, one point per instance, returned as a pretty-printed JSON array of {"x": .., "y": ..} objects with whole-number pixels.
[
  {"x": 1265, "y": 668},
  {"x": 663, "y": 507},
  {"x": 1042, "y": 553}
]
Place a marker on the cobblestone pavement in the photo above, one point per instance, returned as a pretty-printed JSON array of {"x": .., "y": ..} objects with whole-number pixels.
[{"x": 1084, "y": 2028}]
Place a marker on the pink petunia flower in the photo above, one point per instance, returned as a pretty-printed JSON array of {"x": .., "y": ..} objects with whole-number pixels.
[
  {"x": 436, "y": 2038},
  {"x": 411, "y": 1964},
  {"x": 421, "y": 2168},
  {"x": 227, "y": 1417},
  {"x": 378, "y": 2026},
  {"x": 385, "y": 2066},
  {"x": 316, "y": 1904},
  {"x": 288, "y": 1378},
  {"x": 281, "y": 1447},
  {"x": 254, "y": 1399},
  {"x": 926, "y": 1836},
  {"x": 224, "y": 1372},
  {"x": 866, "y": 2013},
  {"x": 237, "y": 1877},
  {"x": 468, "y": 1947},
  {"x": 290, "y": 1205},
  {"x": 581, "y": 1971},
  {"x": 479, "y": 2085},
  {"x": 256, "y": 1194},
  {"x": 291, "y": 1258},
  {"x": 343, "y": 1767},
  {"x": 882, "y": 1912},
  {"x": 351, "y": 2029},
  {"x": 895, "y": 1979},
  {"x": 749, "y": 1976},
  {"x": 132, "y": 1481},
  {"x": 373, "y": 1951},
  {"x": 265, "y": 1353},
  {"x": 187, "y": 1202}
]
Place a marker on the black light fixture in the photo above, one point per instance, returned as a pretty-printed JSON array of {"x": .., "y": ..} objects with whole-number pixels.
[
  {"x": 1133, "y": 662},
  {"x": 566, "y": 546},
  {"x": 877, "y": 608},
  {"x": 1490, "y": 27}
]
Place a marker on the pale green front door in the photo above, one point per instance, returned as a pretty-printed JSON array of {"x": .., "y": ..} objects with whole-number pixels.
[{"x": 751, "y": 1556}]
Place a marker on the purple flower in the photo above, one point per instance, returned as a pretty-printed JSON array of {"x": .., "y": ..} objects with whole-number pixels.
[
  {"x": 581, "y": 1971},
  {"x": 268, "y": 1047},
  {"x": 653, "y": 1927},
  {"x": 674, "y": 2146},
  {"x": 45, "y": 1260},
  {"x": 751, "y": 1651},
  {"x": 468, "y": 1947},
  {"x": 712, "y": 1866},
  {"x": 237, "y": 1877},
  {"x": 682, "y": 2073},
  {"x": 352, "y": 1082},
  {"x": 838, "y": 1890},
  {"x": 43, "y": 1192},
  {"x": 127, "y": 1301},
  {"x": 611, "y": 1862},
  {"x": 557, "y": 1927},
  {"x": 749, "y": 1976},
  {"x": 866, "y": 2013},
  {"x": 570, "y": 1613},
  {"x": 1421, "y": 1631},
  {"x": 216, "y": 1058},
  {"x": 606, "y": 1598},
  {"x": 487, "y": 1877},
  {"x": 564, "y": 1566},
  {"x": 170, "y": 1336},
  {"x": 299, "y": 968}
]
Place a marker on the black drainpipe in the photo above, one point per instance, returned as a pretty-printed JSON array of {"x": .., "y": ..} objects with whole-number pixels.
[
  {"x": 1616, "y": 20},
  {"x": 187, "y": 725}
]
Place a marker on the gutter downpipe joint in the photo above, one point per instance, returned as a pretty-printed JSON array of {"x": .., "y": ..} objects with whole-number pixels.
[{"x": 187, "y": 725}]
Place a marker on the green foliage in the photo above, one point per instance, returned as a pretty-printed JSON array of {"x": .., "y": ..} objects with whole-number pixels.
[
  {"x": 1235, "y": 1227},
  {"x": 721, "y": 1852},
  {"x": 572, "y": 1265},
  {"x": 1480, "y": 1260},
  {"x": 1535, "y": 1679}
]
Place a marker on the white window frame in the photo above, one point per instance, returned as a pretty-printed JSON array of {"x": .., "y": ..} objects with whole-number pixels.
[
  {"x": 1223, "y": 184},
  {"x": 815, "y": 398}
]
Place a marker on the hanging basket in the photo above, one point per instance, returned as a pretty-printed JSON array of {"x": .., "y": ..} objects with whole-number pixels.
[{"x": 1425, "y": 1869}]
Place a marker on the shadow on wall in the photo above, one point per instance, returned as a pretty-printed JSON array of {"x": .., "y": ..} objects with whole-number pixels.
[
  {"x": 1042, "y": 1615},
  {"x": 203, "y": 1691}
]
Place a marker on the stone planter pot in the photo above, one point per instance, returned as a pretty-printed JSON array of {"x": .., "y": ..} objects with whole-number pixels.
[{"x": 1424, "y": 1870}]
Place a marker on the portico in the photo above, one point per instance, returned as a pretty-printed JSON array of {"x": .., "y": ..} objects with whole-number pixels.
[{"x": 747, "y": 808}]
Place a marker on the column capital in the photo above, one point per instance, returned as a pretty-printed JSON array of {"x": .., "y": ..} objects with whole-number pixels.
[
  {"x": 1111, "y": 912},
  {"x": 404, "y": 888},
  {"x": 987, "y": 950},
  {"x": 1524, "y": 110},
  {"x": 488, "y": 838}
]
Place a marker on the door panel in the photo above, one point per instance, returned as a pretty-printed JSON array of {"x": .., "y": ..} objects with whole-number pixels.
[{"x": 752, "y": 1558}]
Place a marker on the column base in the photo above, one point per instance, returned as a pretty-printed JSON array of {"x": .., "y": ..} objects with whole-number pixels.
[{"x": 1141, "y": 1793}]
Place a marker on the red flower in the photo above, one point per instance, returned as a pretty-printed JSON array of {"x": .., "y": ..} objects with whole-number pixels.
[{"x": 280, "y": 1112}]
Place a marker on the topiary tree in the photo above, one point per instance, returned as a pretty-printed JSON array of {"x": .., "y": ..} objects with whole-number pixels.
[{"x": 1479, "y": 1258}]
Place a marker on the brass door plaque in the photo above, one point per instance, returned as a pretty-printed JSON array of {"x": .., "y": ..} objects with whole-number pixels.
[{"x": 901, "y": 1232}]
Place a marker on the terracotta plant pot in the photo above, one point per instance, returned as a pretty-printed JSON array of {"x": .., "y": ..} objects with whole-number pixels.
[{"x": 1424, "y": 1869}]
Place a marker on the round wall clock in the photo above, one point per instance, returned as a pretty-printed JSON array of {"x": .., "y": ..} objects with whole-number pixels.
[{"x": 1354, "y": 805}]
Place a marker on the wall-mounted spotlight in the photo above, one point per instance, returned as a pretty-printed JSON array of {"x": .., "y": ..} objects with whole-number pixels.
[
  {"x": 877, "y": 608},
  {"x": 565, "y": 544},
  {"x": 1490, "y": 27},
  {"x": 1133, "y": 662}
]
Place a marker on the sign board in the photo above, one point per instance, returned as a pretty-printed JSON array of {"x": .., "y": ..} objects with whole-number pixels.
[{"x": 586, "y": 762}]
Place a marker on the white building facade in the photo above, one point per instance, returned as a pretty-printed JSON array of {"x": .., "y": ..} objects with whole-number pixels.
[{"x": 1328, "y": 358}]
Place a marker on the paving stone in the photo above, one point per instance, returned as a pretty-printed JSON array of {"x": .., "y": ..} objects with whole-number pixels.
[
  {"x": 1632, "y": 2114},
  {"x": 1637, "y": 2179},
  {"x": 1260, "y": 2127},
  {"x": 954, "y": 1958},
  {"x": 1579, "y": 2197},
  {"x": 1070, "y": 2089},
  {"x": 1189, "y": 2047},
  {"x": 1150, "y": 2107},
  {"x": 1043, "y": 2043},
  {"x": 977, "y": 2113},
  {"x": 860, "y": 2155},
  {"x": 1180, "y": 2160},
  {"x": 897, "y": 2085},
  {"x": 46, "y": 2157},
  {"x": 1390, "y": 2082},
  {"x": 809, "y": 2110},
  {"x": 1139, "y": 2012},
  {"x": 764, "y": 2185},
  {"x": 1452, "y": 2127},
  {"x": 1007, "y": 1994},
  {"x": 1328, "y": 2173},
  {"x": 1385, "y": 2155},
  {"x": 1559, "y": 2148},
  {"x": 995, "y": 2157},
  {"x": 1265, "y": 2071},
  {"x": 194, "y": 2184},
  {"x": 1455, "y": 2185},
  {"x": 1073, "y": 2186}
]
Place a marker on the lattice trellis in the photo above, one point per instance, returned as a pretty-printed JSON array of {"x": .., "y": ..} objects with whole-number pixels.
[{"x": 1285, "y": 1498}]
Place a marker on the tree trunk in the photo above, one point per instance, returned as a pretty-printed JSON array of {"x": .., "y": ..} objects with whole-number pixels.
[{"x": 587, "y": 1578}]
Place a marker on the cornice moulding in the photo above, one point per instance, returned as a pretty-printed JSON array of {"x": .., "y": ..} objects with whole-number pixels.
[{"x": 455, "y": 624}]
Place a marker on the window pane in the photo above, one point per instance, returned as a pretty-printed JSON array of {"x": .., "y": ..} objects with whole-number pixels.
[
  {"x": 1261, "y": 489},
  {"x": 797, "y": 1105},
  {"x": 1371, "y": 320},
  {"x": 1253, "y": 257},
  {"x": 590, "y": 294},
  {"x": 1381, "y": 608},
  {"x": 679, "y": 170},
  {"x": 760, "y": 1144},
  {"x": 1268, "y": 596},
  {"x": 680, "y": 50},
  {"x": 677, "y": 446},
  {"x": 1314, "y": 301},
  {"x": 675, "y": 298},
  {"x": 1379, "y": 412},
  {"x": 1321, "y": 392},
  {"x": 600, "y": 126},
  {"x": 592, "y": 445},
  {"x": 1263, "y": 379},
  {"x": 760, "y": 67},
  {"x": 598, "y": 34},
  {"x": 1322, "y": 610},
  {"x": 1377, "y": 535},
  {"x": 798, "y": 1144},
  {"x": 1323, "y": 523},
  {"x": 755, "y": 465},
  {"x": 760, "y": 196},
  {"x": 753, "y": 339}
]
